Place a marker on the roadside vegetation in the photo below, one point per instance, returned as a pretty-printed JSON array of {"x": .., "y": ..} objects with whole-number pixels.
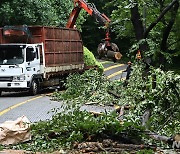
[
  {"x": 73, "y": 126},
  {"x": 157, "y": 91},
  {"x": 90, "y": 60}
]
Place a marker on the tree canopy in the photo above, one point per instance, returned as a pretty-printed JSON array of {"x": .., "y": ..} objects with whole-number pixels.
[
  {"x": 151, "y": 26},
  {"x": 154, "y": 21},
  {"x": 36, "y": 12}
]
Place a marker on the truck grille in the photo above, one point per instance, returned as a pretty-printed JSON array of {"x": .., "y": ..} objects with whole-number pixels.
[{"x": 5, "y": 79}]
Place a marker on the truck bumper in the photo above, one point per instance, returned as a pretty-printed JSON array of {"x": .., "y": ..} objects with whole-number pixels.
[{"x": 14, "y": 85}]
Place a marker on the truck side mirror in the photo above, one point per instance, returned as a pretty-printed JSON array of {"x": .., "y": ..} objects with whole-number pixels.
[{"x": 30, "y": 54}]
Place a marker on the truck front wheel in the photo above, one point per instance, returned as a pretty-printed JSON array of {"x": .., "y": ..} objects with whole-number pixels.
[
  {"x": 34, "y": 88},
  {"x": 0, "y": 92}
]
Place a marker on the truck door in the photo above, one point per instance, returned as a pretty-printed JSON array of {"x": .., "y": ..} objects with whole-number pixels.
[{"x": 32, "y": 61}]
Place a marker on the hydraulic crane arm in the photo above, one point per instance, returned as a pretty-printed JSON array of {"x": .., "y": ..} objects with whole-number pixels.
[
  {"x": 90, "y": 9},
  {"x": 104, "y": 49}
]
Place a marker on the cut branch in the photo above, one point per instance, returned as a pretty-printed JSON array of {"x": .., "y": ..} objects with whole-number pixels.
[
  {"x": 145, "y": 117},
  {"x": 114, "y": 94},
  {"x": 120, "y": 117},
  {"x": 152, "y": 135},
  {"x": 109, "y": 146},
  {"x": 158, "y": 137}
]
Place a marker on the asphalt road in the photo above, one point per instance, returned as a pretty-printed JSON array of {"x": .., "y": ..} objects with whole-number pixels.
[
  {"x": 114, "y": 71},
  {"x": 39, "y": 107}
]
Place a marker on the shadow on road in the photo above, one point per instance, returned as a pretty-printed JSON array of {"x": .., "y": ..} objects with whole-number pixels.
[{"x": 25, "y": 93}]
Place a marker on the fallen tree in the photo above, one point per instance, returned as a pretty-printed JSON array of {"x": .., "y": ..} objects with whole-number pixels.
[
  {"x": 143, "y": 108},
  {"x": 157, "y": 92}
]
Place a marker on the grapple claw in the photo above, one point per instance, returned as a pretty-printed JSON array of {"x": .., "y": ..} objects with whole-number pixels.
[{"x": 109, "y": 51}]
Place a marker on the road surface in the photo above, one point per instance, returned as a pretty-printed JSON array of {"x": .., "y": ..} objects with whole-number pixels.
[{"x": 36, "y": 108}]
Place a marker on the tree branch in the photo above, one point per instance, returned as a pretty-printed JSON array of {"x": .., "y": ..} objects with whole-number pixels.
[
  {"x": 167, "y": 30},
  {"x": 153, "y": 135},
  {"x": 159, "y": 18}
]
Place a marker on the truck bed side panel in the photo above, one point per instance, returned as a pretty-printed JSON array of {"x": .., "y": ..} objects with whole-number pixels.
[{"x": 62, "y": 46}]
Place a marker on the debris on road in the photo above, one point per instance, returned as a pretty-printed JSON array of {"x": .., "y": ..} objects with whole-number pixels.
[
  {"x": 109, "y": 145},
  {"x": 13, "y": 132}
]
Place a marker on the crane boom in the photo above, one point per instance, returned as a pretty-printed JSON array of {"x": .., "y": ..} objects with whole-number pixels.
[
  {"x": 90, "y": 9},
  {"x": 106, "y": 48}
]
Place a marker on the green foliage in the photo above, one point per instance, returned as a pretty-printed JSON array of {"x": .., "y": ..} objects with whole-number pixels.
[
  {"x": 122, "y": 25},
  {"x": 158, "y": 91},
  {"x": 1, "y": 147},
  {"x": 153, "y": 50},
  {"x": 88, "y": 87},
  {"x": 62, "y": 11},
  {"x": 27, "y": 12},
  {"x": 73, "y": 125},
  {"x": 145, "y": 152},
  {"x": 37, "y": 12},
  {"x": 155, "y": 90},
  {"x": 90, "y": 60}
]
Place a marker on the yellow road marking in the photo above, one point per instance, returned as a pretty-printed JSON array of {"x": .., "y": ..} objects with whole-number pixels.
[
  {"x": 16, "y": 105},
  {"x": 104, "y": 62},
  {"x": 114, "y": 74},
  {"x": 111, "y": 67}
]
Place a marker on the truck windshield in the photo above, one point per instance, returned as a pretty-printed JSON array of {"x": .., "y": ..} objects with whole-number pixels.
[{"x": 11, "y": 55}]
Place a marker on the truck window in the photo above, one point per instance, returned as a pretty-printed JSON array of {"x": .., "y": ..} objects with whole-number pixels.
[
  {"x": 41, "y": 54},
  {"x": 37, "y": 55},
  {"x": 10, "y": 55},
  {"x": 30, "y": 54}
]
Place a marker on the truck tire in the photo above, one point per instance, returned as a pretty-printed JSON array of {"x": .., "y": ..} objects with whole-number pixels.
[
  {"x": 34, "y": 88},
  {"x": 0, "y": 92}
]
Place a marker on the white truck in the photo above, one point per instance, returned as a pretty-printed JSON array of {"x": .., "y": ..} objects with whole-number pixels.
[{"x": 36, "y": 56}]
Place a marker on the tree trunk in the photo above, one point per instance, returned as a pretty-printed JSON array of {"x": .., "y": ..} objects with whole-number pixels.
[
  {"x": 137, "y": 23},
  {"x": 114, "y": 55},
  {"x": 138, "y": 27}
]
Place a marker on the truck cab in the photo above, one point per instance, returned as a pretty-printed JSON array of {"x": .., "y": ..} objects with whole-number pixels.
[{"x": 19, "y": 64}]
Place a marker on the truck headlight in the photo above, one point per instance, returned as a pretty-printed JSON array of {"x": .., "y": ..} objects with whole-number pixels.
[{"x": 19, "y": 78}]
